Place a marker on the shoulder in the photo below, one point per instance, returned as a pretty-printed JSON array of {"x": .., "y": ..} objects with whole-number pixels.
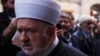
[
  {"x": 66, "y": 50},
  {"x": 76, "y": 33},
  {"x": 71, "y": 51}
]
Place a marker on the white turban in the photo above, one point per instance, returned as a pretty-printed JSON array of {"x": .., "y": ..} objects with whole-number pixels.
[
  {"x": 84, "y": 18},
  {"x": 45, "y": 10}
]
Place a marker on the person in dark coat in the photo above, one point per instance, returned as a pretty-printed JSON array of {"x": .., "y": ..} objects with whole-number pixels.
[
  {"x": 36, "y": 25},
  {"x": 83, "y": 34},
  {"x": 63, "y": 30},
  {"x": 7, "y": 28}
]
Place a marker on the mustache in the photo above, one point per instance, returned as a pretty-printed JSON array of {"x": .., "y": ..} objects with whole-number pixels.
[{"x": 27, "y": 43}]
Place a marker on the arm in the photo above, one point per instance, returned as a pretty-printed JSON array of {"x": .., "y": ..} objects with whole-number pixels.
[{"x": 10, "y": 29}]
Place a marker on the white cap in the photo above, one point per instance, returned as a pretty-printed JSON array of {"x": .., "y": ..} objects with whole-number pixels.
[
  {"x": 84, "y": 18},
  {"x": 45, "y": 10}
]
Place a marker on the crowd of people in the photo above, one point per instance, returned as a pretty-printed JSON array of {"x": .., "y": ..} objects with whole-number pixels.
[
  {"x": 43, "y": 29},
  {"x": 83, "y": 34}
]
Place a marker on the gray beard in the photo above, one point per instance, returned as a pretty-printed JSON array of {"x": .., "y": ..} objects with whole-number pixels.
[{"x": 41, "y": 52}]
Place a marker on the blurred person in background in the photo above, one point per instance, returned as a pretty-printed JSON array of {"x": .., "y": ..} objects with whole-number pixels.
[
  {"x": 97, "y": 31},
  {"x": 86, "y": 40},
  {"x": 7, "y": 28},
  {"x": 63, "y": 30},
  {"x": 96, "y": 51},
  {"x": 74, "y": 27}
]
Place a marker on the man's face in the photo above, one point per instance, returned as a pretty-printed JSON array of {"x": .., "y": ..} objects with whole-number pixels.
[
  {"x": 9, "y": 4},
  {"x": 65, "y": 24},
  {"x": 88, "y": 25},
  {"x": 33, "y": 36}
]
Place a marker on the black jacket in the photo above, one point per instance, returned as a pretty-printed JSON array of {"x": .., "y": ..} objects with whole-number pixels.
[
  {"x": 6, "y": 46},
  {"x": 85, "y": 42},
  {"x": 74, "y": 41}
]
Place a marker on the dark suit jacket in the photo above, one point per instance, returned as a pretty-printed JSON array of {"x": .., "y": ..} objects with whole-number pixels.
[
  {"x": 4, "y": 22},
  {"x": 61, "y": 50},
  {"x": 85, "y": 43},
  {"x": 73, "y": 40},
  {"x": 5, "y": 44},
  {"x": 97, "y": 48},
  {"x": 74, "y": 29}
]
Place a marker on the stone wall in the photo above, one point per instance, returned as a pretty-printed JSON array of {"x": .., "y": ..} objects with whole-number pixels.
[{"x": 77, "y": 8}]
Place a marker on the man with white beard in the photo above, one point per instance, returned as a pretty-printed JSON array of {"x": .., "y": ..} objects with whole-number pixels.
[{"x": 36, "y": 25}]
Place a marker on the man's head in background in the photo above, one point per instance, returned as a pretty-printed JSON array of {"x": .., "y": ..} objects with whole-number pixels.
[
  {"x": 86, "y": 22},
  {"x": 8, "y": 6},
  {"x": 64, "y": 22}
]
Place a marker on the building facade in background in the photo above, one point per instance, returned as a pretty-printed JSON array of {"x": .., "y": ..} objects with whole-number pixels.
[{"x": 80, "y": 7}]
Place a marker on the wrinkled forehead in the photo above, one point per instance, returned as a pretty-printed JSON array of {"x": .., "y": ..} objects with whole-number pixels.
[
  {"x": 29, "y": 21},
  {"x": 30, "y": 24},
  {"x": 34, "y": 19}
]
